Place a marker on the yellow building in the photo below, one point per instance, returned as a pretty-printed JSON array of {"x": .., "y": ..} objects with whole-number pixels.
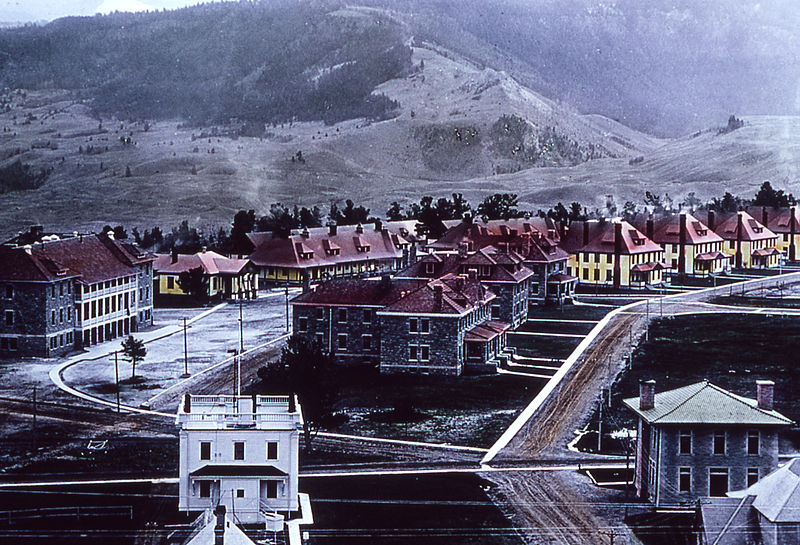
[
  {"x": 746, "y": 240},
  {"x": 785, "y": 223},
  {"x": 315, "y": 254},
  {"x": 690, "y": 247},
  {"x": 222, "y": 277},
  {"x": 612, "y": 253}
]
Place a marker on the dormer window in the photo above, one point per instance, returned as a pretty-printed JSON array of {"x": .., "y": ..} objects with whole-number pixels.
[
  {"x": 430, "y": 268},
  {"x": 486, "y": 270},
  {"x": 363, "y": 248}
]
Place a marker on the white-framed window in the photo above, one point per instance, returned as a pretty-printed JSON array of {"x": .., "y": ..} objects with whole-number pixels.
[
  {"x": 717, "y": 481},
  {"x": 367, "y": 316},
  {"x": 424, "y": 325},
  {"x": 685, "y": 479},
  {"x": 342, "y": 341},
  {"x": 366, "y": 342},
  {"x": 342, "y": 315},
  {"x": 752, "y": 476},
  {"x": 302, "y": 324},
  {"x": 413, "y": 325},
  {"x": 272, "y": 450},
  {"x": 753, "y": 442},
  {"x": 419, "y": 352},
  {"x": 238, "y": 450},
  {"x": 685, "y": 442},
  {"x": 430, "y": 268},
  {"x": 9, "y": 317},
  {"x": 205, "y": 450},
  {"x": 320, "y": 313},
  {"x": 240, "y": 492}
]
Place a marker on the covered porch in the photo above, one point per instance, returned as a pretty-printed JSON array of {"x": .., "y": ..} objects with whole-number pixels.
[{"x": 484, "y": 342}]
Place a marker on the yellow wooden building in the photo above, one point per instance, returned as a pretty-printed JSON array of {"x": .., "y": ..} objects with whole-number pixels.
[
  {"x": 785, "y": 223},
  {"x": 223, "y": 277},
  {"x": 749, "y": 243}
]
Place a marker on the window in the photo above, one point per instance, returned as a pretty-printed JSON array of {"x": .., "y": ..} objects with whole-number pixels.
[
  {"x": 752, "y": 476},
  {"x": 685, "y": 442},
  {"x": 752, "y": 442},
  {"x": 272, "y": 450},
  {"x": 238, "y": 450},
  {"x": 719, "y": 442},
  {"x": 342, "y": 315},
  {"x": 60, "y": 315},
  {"x": 342, "y": 341},
  {"x": 685, "y": 479},
  {"x": 61, "y": 289},
  {"x": 495, "y": 312},
  {"x": 367, "y": 316},
  {"x": 412, "y": 353},
  {"x": 170, "y": 282},
  {"x": 597, "y": 274},
  {"x": 69, "y": 314},
  {"x": 320, "y": 339},
  {"x": 586, "y": 274},
  {"x": 9, "y": 317},
  {"x": 424, "y": 325},
  {"x": 9, "y": 292},
  {"x": 429, "y": 268},
  {"x": 366, "y": 342},
  {"x": 412, "y": 325},
  {"x": 52, "y": 316},
  {"x": 272, "y": 489},
  {"x": 205, "y": 450},
  {"x": 418, "y": 352},
  {"x": 424, "y": 353},
  {"x": 302, "y": 324},
  {"x": 609, "y": 275},
  {"x": 320, "y": 313},
  {"x": 717, "y": 481},
  {"x": 94, "y": 309},
  {"x": 205, "y": 489},
  {"x": 240, "y": 492}
]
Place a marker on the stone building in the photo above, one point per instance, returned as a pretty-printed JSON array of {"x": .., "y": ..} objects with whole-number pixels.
[
  {"x": 439, "y": 326},
  {"x": 501, "y": 271},
  {"x": 79, "y": 290},
  {"x": 701, "y": 440},
  {"x": 240, "y": 452}
]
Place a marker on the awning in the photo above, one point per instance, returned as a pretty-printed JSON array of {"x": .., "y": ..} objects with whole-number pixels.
[
  {"x": 233, "y": 470},
  {"x": 485, "y": 332},
  {"x": 711, "y": 256},
  {"x": 648, "y": 267},
  {"x": 765, "y": 252},
  {"x": 561, "y": 278}
]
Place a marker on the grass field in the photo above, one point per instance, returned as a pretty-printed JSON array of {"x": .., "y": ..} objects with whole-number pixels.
[
  {"x": 731, "y": 351},
  {"x": 467, "y": 410},
  {"x": 428, "y": 509}
]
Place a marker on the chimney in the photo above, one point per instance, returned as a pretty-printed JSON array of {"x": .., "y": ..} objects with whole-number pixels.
[
  {"x": 467, "y": 219},
  {"x": 386, "y": 281},
  {"x": 792, "y": 233},
  {"x": 219, "y": 527},
  {"x": 764, "y": 215},
  {"x": 739, "y": 234},
  {"x": 304, "y": 233},
  {"x": 682, "y": 245},
  {"x": 463, "y": 247},
  {"x": 292, "y": 403},
  {"x": 187, "y": 403},
  {"x": 585, "y": 232},
  {"x": 378, "y": 225},
  {"x": 765, "y": 390},
  {"x": 255, "y": 406},
  {"x": 332, "y": 229},
  {"x": 203, "y": 249},
  {"x": 647, "y": 394},
  {"x": 437, "y": 297},
  {"x": 472, "y": 274},
  {"x": 711, "y": 219},
  {"x": 617, "y": 254},
  {"x": 649, "y": 228},
  {"x": 359, "y": 228},
  {"x": 174, "y": 256}
]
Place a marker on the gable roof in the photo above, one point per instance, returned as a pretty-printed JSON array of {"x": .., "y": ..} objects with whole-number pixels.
[
  {"x": 778, "y": 220},
  {"x": 706, "y": 403},
  {"x": 601, "y": 236},
  {"x": 21, "y": 265},
  {"x": 667, "y": 229},
  {"x": 726, "y": 226},
  {"x": 357, "y": 292},
  {"x": 777, "y": 496},
  {"x": 726, "y": 521},
  {"x": 318, "y": 247},
  {"x": 504, "y": 266},
  {"x": 460, "y": 294},
  {"x": 211, "y": 263}
]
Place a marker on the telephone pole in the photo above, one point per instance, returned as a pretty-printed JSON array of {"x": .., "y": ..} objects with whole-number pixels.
[
  {"x": 185, "y": 352},
  {"x": 116, "y": 376}
]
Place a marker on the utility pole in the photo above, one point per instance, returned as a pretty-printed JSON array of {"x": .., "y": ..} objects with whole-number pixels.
[
  {"x": 600, "y": 425},
  {"x": 286, "y": 287},
  {"x": 241, "y": 326},
  {"x": 185, "y": 351},
  {"x": 34, "y": 418},
  {"x": 647, "y": 318},
  {"x": 611, "y": 535},
  {"x": 116, "y": 376}
]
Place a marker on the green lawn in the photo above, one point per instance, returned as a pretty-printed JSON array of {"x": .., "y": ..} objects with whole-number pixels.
[
  {"x": 731, "y": 351},
  {"x": 568, "y": 312},
  {"x": 543, "y": 347}
]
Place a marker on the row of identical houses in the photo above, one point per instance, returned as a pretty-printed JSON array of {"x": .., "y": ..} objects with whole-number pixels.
[{"x": 73, "y": 291}]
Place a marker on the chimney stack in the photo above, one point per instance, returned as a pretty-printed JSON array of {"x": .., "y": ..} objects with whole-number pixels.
[
  {"x": 332, "y": 229},
  {"x": 378, "y": 224},
  {"x": 187, "y": 403},
  {"x": 765, "y": 390},
  {"x": 463, "y": 248},
  {"x": 359, "y": 228},
  {"x": 650, "y": 228},
  {"x": 437, "y": 296},
  {"x": 618, "y": 243},
  {"x": 219, "y": 527},
  {"x": 386, "y": 281},
  {"x": 585, "y": 232},
  {"x": 764, "y": 215},
  {"x": 174, "y": 256},
  {"x": 792, "y": 233},
  {"x": 647, "y": 394},
  {"x": 682, "y": 245},
  {"x": 711, "y": 219}
]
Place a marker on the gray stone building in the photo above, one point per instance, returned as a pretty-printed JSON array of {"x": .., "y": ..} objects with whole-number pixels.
[
  {"x": 63, "y": 293},
  {"x": 501, "y": 271},
  {"x": 439, "y": 326},
  {"x": 700, "y": 440}
]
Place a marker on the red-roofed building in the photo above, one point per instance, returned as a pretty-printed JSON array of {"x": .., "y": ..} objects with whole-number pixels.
[
  {"x": 80, "y": 290},
  {"x": 749, "y": 243},
  {"x": 613, "y": 253},
  {"x": 785, "y": 223},
  {"x": 439, "y": 326},
  {"x": 320, "y": 253},
  {"x": 690, "y": 247},
  {"x": 223, "y": 277}
]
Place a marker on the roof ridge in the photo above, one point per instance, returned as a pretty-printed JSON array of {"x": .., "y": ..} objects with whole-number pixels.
[
  {"x": 741, "y": 399},
  {"x": 705, "y": 383},
  {"x": 730, "y": 520}
]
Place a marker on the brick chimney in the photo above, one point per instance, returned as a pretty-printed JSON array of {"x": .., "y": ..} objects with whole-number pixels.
[
  {"x": 463, "y": 249},
  {"x": 437, "y": 296},
  {"x": 765, "y": 390},
  {"x": 739, "y": 235},
  {"x": 682, "y": 245},
  {"x": 764, "y": 215},
  {"x": 618, "y": 242},
  {"x": 174, "y": 256},
  {"x": 378, "y": 225},
  {"x": 219, "y": 527},
  {"x": 647, "y": 394},
  {"x": 649, "y": 228},
  {"x": 187, "y": 403},
  {"x": 711, "y": 218},
  {"x": 792, "y": 233},
  {"x": 332, "y": 229},
  {"x": 585, "y": 232}
]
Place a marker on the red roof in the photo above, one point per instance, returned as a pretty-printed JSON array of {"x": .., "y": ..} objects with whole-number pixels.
[
  {"x": 561, "y": 278},
  {"x": 212, "y": 263},
  {"x": 317, "y": 247},
  {"x": 357, "y": 292},
  {"x": 667, "y": 229},
  {"x": 20, "y": 265},
  {"x": 601, "y": 238},
  {"x": 712, "y": 256},
  {"x": 752, "y": 230},
  {"x": 459, "y": 294},
  {"x": 765, "y": 252},
  {"x": 503, "y": 266},
  {"x": 485, "y": 332},
  {"x": 778, "y": 220}
]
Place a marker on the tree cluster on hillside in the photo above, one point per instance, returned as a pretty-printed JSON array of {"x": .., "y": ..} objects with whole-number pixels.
[
  {"x": 265, "y": 62},
  {"x": 19, "y": 176}
]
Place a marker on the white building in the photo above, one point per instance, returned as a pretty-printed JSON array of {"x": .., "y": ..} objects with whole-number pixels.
[{"x": 240, "y": 452}]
